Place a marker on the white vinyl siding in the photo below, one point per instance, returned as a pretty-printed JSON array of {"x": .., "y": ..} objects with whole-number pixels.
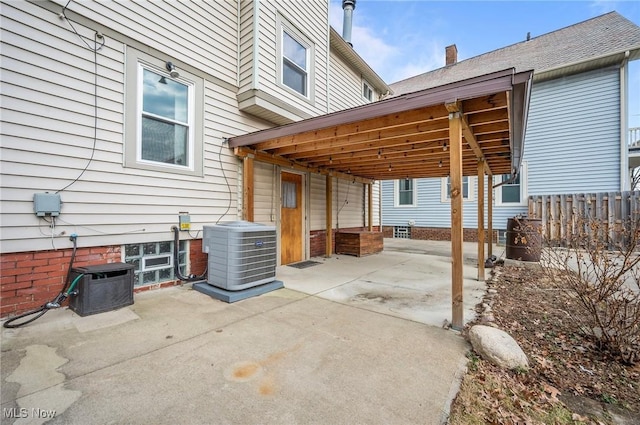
[
  {"x": 356, "y": 207},
  {"x": 47, "y": 140},
  {"x": 202, "y": 34},
  {"x": 345, "y": 85},
  {"x": 265, "y": 201},
  {"x": 318, "y": 202},
  {"x": 310, "y": 23}
]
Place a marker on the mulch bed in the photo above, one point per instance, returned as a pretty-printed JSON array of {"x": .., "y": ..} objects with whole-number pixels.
[{"x": 567, "y": 369}]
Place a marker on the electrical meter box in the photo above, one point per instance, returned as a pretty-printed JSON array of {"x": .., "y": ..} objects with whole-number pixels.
[{"x": 102, "y": 288}]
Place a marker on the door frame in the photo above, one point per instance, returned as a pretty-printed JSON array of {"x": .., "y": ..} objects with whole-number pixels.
[{"x": 305, "y": 212}]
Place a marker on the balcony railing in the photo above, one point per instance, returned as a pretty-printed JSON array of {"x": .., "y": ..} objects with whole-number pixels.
[{"x": 634, "y": 137}]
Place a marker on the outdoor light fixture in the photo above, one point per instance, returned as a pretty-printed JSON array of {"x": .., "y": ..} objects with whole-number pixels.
[
  {"x": 172, "y": 70},
  {"x": 330, "y": 160},
  {"x": 379, "y": 153},
  {"x": 444, "y": 146},
  {"x": 389, "y": 166},
  {"x": 440, "y": 164}
]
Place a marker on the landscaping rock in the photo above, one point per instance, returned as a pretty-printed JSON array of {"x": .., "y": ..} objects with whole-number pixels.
[{"x": 498, "y": 347}]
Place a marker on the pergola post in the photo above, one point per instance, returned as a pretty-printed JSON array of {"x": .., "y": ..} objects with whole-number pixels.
[
  {"x": 481, "y": 220},
  {"x": 455, "y": 176},
  {"x": 489, "y": 215},
  {"x": 370, "y": 205},
  {"x": 329, "y": 216},
  {"x": 247, "y": 188}
]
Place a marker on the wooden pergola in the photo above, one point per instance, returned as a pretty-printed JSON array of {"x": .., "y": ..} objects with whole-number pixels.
[{"x": 471, "y": 127}]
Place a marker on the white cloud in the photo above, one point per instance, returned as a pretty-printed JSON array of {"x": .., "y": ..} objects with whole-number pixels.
[{"x": 386, "y": 59}]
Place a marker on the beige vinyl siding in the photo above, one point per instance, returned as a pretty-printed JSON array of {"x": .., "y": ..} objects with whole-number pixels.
[
  {"x": 202, "y": 34},
  {"x": 247, "y": 45},
  {"x": 265, "y": 201},
  {"x": 310, "y": 19},
  {"x": 348, "y": 204},
  {"x": 317, "y": 202},
  {"x": 351, "y": 214},
  {"x": 345, "y": 85},
  {"x": 47, "y": 141}
]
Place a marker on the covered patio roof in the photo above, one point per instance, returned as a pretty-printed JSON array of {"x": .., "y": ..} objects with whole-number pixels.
[
  {"x": 406, "y": 136},
  {"x": 470, "y": 127}
]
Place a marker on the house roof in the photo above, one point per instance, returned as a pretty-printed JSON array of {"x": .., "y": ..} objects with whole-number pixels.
[
  {"x": 595, "y": 43},
  {"x": 407, "y": 135}
]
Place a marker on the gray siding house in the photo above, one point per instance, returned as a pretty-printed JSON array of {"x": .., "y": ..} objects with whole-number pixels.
[{"x": 576, "y": 138}]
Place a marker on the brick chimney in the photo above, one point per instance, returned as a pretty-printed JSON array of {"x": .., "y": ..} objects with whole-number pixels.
[{"x": 451, "y": 55}]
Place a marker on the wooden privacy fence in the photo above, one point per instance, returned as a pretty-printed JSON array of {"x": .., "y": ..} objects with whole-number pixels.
[{"x": 565, "y": 217}]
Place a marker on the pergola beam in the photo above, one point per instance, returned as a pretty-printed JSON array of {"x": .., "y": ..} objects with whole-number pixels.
[
  {"x": 243, "y": 152},
  {"x": 468, "y": 134}
]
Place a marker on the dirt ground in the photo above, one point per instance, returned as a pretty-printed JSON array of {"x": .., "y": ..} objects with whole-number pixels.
[{"x": 570, "y": 379}]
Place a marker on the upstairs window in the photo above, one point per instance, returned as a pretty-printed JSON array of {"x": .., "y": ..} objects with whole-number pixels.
[
  {"x": 295, "y": 61},
  {"x": 367, "y": 91}
]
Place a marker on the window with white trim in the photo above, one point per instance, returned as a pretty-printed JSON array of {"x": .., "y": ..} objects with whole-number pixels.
[
  {"x": 295, "y": 63},
  {"x": 367, "y": 91},
  {"x": 404, "y": 193},
  {"x": 164, "y": 117},
  {"x": 467, "y": 189},
  {"x": 512, "y": 192}
]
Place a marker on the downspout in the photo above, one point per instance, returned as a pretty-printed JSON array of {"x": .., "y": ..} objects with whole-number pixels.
[
  {"x": 238, "y": 46},
  {"x": 328, "y": 69},
  {"x": 624, "y": 131},
  {"x": 256, "y": 43}
]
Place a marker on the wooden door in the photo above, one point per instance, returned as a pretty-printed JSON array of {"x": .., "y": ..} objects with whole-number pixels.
[{"x": 291, "y": 218}]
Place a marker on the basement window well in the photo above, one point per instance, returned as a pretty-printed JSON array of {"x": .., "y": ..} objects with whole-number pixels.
[{"x": 153, "y": 261}]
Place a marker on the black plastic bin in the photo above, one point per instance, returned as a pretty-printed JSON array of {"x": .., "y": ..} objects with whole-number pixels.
[{"x": 104, "y": 287}]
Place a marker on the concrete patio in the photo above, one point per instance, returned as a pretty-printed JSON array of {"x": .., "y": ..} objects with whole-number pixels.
[{"x": 348, "y": 340}]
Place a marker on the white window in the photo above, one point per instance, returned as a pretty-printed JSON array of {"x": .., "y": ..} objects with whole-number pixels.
[
  {"x": 512, "y": 192},
  {"x": 295, "y": 63},
  {"x": 467, "y": 189},
  {"x": 404, "y": 193},
  {"x": 164, "y": 116},
  {"x": 367, "y": 91}
]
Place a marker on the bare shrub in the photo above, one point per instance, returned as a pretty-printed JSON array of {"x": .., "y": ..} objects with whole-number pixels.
[{"x": 599, "y": 266}]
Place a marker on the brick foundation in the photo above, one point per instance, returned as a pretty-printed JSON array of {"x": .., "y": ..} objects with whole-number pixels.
[
  {"x": 437, "y": 234},
  {"x": 30, "y": 279}
]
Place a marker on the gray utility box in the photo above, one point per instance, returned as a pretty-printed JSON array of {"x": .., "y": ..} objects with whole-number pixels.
[
  {"x": 242, "y": 254},
  {"x": 104, "y": 287}
]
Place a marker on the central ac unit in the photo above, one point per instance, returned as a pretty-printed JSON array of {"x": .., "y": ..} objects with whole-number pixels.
[{"x": 242, "y": 254}]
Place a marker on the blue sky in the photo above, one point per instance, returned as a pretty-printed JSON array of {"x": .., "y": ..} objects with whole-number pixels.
[{"x": 402, "y": 38}]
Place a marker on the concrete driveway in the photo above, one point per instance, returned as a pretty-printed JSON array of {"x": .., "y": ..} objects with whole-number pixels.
[{"x": 347, "y": 341}]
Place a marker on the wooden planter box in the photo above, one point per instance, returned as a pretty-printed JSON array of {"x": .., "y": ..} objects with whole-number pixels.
[{"x": 358, "y": 242}]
